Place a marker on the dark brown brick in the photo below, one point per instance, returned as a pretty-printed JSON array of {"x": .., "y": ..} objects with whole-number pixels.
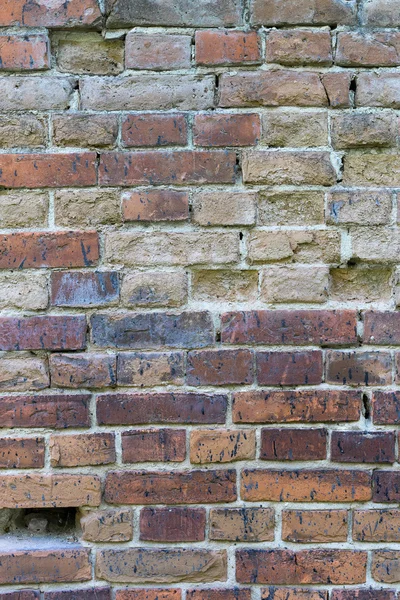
[
  {"x": 43, "y": 333},
  {"x": 289, "y": 368},
  {"x": 94, "y": 593},
  {"x": 154, "y": 445},
  {"x": 293, "y": 444},
  {"x": 155, "y": 205},
  {"x": 94, "y": 288},
  {"x": 363, "y": 447},
  {"x": 226, "y": 129},
  {"x": 386, "y": 486},
  {"x": 219, "y": 594},
  {"x": 363, "y": 594},
  {"x": 172, "y": 524},
  {"x": 220, "y": 367},
  {"x": 154, "y": 130},
  {"x": 382, "y": 328},
  {"x": 56, "y": 411},
  {"x": 358, "y": 368},
  {"x": 275, "y": 593},
  {"x": 386, "y": 408}
]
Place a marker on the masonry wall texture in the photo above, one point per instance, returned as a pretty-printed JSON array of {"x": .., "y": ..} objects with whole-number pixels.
[{"x": 199, "y": 299}]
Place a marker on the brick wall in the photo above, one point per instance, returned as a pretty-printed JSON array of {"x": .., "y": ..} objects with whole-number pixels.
[{"x": 199, "y": 335}]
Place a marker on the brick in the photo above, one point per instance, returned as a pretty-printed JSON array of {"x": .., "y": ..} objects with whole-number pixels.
[
  {"x": 382, "y": 328},
  {"x": 149, "y": 594},
  {"x": 324, "y": 485},
  {"x": 41, "y": 491},
  {"x": 157, "y": 51},
  {"x": 283, "y": 327},
  {"x": 86, "y": 288},
  {"x": 87, "y": 208},
  {"x": 223, "y": 207},
  {"x": 358, "y": 368},
  {"x": 56, "y": 411},
  {"x": 316, "y": 526},
  {"x": 92, "y": 55},
  {"x": 376, "y": 525},
  {"x": 220, "y": 367},
  {"x": 363, "y": 447},
  {"x": 220, "y": 446},
  {"x": 23, "y": 209},
  {"x": 83, "y": 370},
  {"x": 154, "y": 445},
  {"x": 110, "y": 525},
  {"x": 155, "y": 205},
  {"x": 296, "y": 246},
  {"x": 82, "y": 450},
  {"x": 219, "y": 594},
  {"x": 43, "y": 333},
  {"x": 297, "y": 128},
  {"x": 154, "y": 288},
  {"x": 151, "y": 330},
  {"x": 274, "y": 593},
  {"x": 360, "y": 129},
  {"x": 288, "y": 168},
  {"x": 159, "y": 487},
  {"x": 272, "y": 88},
  {"x": 23, "y": 130},
  {"x": 293, "y": 444},
  {"x": 56, "y": 565},
  {"x": 290, "y": 208},
  {"x": 21, "y": 453},
  {"x": 177, "y": 407},
  {"x": 380, "y": 245},
  {"x": 386, "y": 486},
  {"x": 177, "y": 13},
  {"x": 242, "y": 524},
  {"x": 320, "y": 12},
  {"x": 23, "y": 374},
  {"x": 227, "y": 47},
  {"x": 360, "y": 207},
  {"x": 22, "y": 290},
  {"x": 304, "y": 567},
  {"x": 308, "y": 406},
  {"x": 80, "y": 130},
  {"x": 381, "y": 49},
  {"x": 299, "y": 47},
  {"x": 229, "y": 286},
  {"x": 172, "y": 524},
  {"x": 154, "y": 130},
  {"x": 363, "y": 594},
  {"x": 24, "y": 53},
  {"x": 94, "y": 593},
  {"x": 386, "y": 408},
  {"x": 361, "y": 285},
  {"x": 337, "y": 88},
  {"x": 170, "y": 248},
  {"x": 146, "y": 369},
  {"x": 47, "y": 170},
  {"x": 78, "y": 13},
  {"x": 177, "y": 168},
  {"x": 226, "y": 129},
  {"x": 147, "y": 91},
  {"x": 381, "y": 13},
  {"x": 21, "y": 595},
  {"x": 27, "y": 93},
  {"x": 386, "y": 566},
  {"x": 286, "y": 284},
  {"x": 145, "y": 565},
  {"x": 378, "y": 89},
  {"x": 397, "y": 287},
  {"x": 289, "y": 368}
]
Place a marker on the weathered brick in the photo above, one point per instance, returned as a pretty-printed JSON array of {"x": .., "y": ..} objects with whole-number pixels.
[
  {"x": 172, "y": 524},
  {"x": 386, "y": 566},
  {"x": 275, "y": 593},
  {"x": 83, "y": 370},
  {"x": 299, "y": 47},
  {"x": 382, "y": 328},
  {"x": 77, "y": 13},
  {"x": 363, "y": 594},
  {"x": 242, "y": 524},
  {"x": 65, "y": 564},
  {"x": 87, "y": 208},
  {"x": 323, "y": 485},
  {"x": 290, "y": 208},
  {"x": 23, "y": 209},
  {"x": 360, "y": 129},
  {"x": 295, "y": 246},
  {"x": 361, "y": 285},
  {"x": 223, "y": 207},
  {"x": 359, "y": 207},
  {"x": 159, "y": 487},
  {"x": 24, "y": 53},
  {"x": 219, "y": 594},
  {"x": 81, "y": 289},
  {"x": 289, "y": 368},
  {"x": 356, "y": 49},
  {"x": 283, "y": 327},
  {"x": 21, "y": 453},
  {"x": 358, "y": 368},
  {"x": 381, "y": 13},
  {"x": 145, "y": 565},
  {"x": 20, "y": 374},
  {"x": 43, "y": 333},
  {"x": 220, "y": 446},
  {"x": 27, "y": 93},
  {"x": 154, "y": 288},
  {"x": 337, "y": 86},
  {"x": 99, "y": 131},
  {"x": 21, "y": 595},
  {"x": 23, "y": 290},
  {"x": 288, "y": 168},
  {"x": 319, "y": 12},
  {"x": 317, "y": 526},
  {"x": 149, "y": 594},
  {"x": 154, "y": 130},
  {"x": 386, "y": 408},
  {"x": 284, "y": 284},
  {"x": 295, "y": 128},
  {"x": 146, "y": 369},
  {"x": 378, "y": 89},
  {"x": 376, "y": 525},
  {"x": 155, "y": 205},
  {"x": 226, "y": 129},
  {"x": 378, "y": 245},
  {"x": 56, "y": 411},
  {"x": 227, "y": 47},
  {"x": 92, "y": 55},
  {"x": 94, "y": 593},
  {"x": 386, "y": 486},
  {"x": 110, "y": 525},
  {"x": 140, "y": 409},
  {"x": 22, "y": 130},
  {"x": 293, "y": 444},
  {"x": 220, "y": 367},
  {"x": 229, "y": 286},
  {"x": 82, "y": 450},
  {"x": 157, "y": 51},
  {"x": 154, "y": 445},
  {"x": 363, "y": 447}
]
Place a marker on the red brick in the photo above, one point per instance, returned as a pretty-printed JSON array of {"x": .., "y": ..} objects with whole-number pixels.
[
  {"x": 21, "y": 595},
  {"x": 219, "y": 594},
  {"x": 140, "y": 409},
  {"x": 158, "y": 51},
  {"x": 365, "y": 49},
  {"x": 308, "y": 406},
  {"x": 370, "y": 86},
  {"x": 45, "y": 566},
  {"x": 363, "y": 447},
  {"x": 154, "y": 130},
  {"x": 149, "y": 594},
  {"x": 47, "y": 170},
  {"x": 274, "y": 593},
  {"x": 283, "y": 327},
  {"x": 382, "y": 328},
  {"x": 299, "y": 47},
  {"x": 226, "y": 130},
  {"x": 43, "y": 333},
  {"x": 386, "y": 486},
  {"x": 220, "y": 367},
  {"x": 279, "y": 566},
  {"x": 318, "y": 526},
  {"x": 82, "y": 450},
  {"x": 363, "y": 594},
  {"x": 160, "y": 487},
  {"x": 77, "y": 13},
  {"x": 376, "y": 525},
  {"x": 221, "y": 446},
  {"x": 293, "y": 444},
  {"x": 83, "y": 370},
  {"x": 323, "y": 485},
  {"x": 154, "y": 445},
  {"x": 386, "y": 408},
  {"x": 94, "y": 288},
  {"x": 227, "y": 47},
  {"x": 94, "y": 593},
  {"x": 172, "y": 524},
  {"x": 155, "y": 205},
  {"x": 56, "y": 411},
  {"x": 176, "y": 168},
  {"x": 21, "y": 453},
  {"x": 337, "y": 88},
  {"x": 289, "y": 368},
  {"x": 24, "y": 52},
  {"x": 385, "y": 566},
  {"x": 358, "y": 368},
  {"x": 319, "y": 12}
]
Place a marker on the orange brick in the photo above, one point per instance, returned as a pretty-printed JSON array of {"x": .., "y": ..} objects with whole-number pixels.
[{"x": 227, "y": 47}]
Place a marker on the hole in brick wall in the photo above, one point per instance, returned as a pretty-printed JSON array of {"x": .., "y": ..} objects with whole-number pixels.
[
  {"x": 353, "y": 85},
  {"x": 366, "y": 406},
  {"x": 29, "y": 522}
]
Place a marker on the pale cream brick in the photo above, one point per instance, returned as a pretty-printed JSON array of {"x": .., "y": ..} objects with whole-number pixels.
[{"x": 294, "y": 284}]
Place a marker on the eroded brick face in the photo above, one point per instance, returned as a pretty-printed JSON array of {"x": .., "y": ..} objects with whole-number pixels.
[{"x": 199, "y": 299}]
